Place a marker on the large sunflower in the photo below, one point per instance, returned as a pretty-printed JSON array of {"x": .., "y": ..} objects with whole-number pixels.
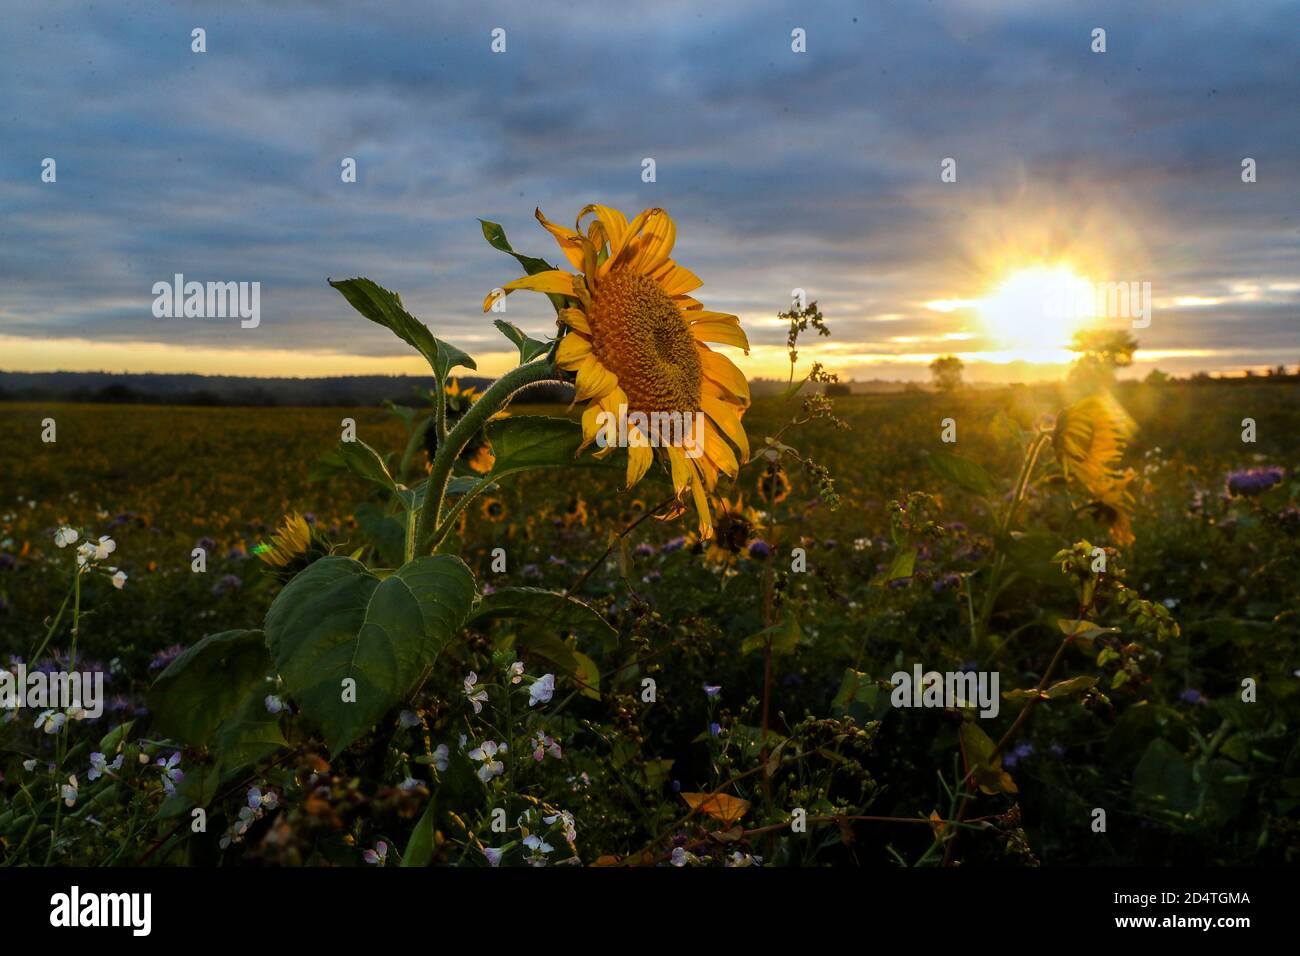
[{"x": 636, "y": 341}]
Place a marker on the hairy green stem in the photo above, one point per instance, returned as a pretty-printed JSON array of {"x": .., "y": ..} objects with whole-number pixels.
[{"x": 449, "y": 449}]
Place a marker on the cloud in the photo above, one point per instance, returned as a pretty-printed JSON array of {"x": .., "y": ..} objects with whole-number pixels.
[{"x": 816, "y": 170}]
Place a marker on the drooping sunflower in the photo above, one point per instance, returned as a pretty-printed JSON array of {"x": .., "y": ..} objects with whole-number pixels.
[
  {"x": 478, "y": 453},
  {"x": 291, "y": 540},
  {"x": 294, "y": 545},
  {"x": 575, "y": 514},
  {"x": 637, "y": 343},
  {"x": 773, "y": 484},
  {"x": 1089, "y": 440},
  {"x": 734, "y": 527}
]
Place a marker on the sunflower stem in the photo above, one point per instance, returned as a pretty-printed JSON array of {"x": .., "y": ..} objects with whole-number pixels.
[{"x": 492, "y": 401}]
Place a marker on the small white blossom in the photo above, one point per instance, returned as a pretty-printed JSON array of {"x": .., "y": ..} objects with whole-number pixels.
[
  {"x": 542, "y": 690},
  {"x": 65, "y": 536},
  {"x": 51, "y": 721},
  {"x": 441, "y": 757},
  {"x": 486, "y": 752},
  {"x": 475, "y": 697},
  {"x": 70, "y": 791}
]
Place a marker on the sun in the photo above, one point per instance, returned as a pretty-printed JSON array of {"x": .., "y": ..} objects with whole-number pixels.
[{"x": 1035, "y": 311}]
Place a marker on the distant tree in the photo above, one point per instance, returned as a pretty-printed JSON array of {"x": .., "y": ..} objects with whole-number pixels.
[
  {"x": 1157, "y": 377},
  {"x": 838, "y": 389},
  {"x": 1100, "y": 354},
  {"x": 946, "y": 371}
]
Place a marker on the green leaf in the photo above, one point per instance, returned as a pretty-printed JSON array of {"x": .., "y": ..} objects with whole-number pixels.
[
  {"x": 419, "y": 848},
  {"x": 249, "y": 735},
  {"x": 496, "y": 237},
  {"x": 385, "y": 308},
  {"x": 784, "y": 635},
  {"x": 587, "y": 676},
  {"x": 964, "y": 473},
  {"x": 337, "y": 621},
  {"x": 529, "y": 348},
  {"x": 978, "y": 748},
  {"x": 525, "y": 442},
  {"x": 550, "y": 648},
  {"x": 1083, "y": 629},
  {"x": 1066, "y": 688},
  {"x": 363, "y": 461},
  {"x": 207, "y": 683},
  {"x": 464, "y": 484},
  {"x": 855, "y": 687},
  {"x": 545, "y": 609},
  {"x": 902, "y": 566}
]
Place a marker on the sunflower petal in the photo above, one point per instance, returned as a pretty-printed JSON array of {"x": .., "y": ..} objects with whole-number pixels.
[
  {"x": 574, "y": 348},
  {"x": 675, "y": 279},
  {"x": 727, "y": 417},
  {"x": 723, "y": 371},
  {"x": 680, "y": 472},
  {"x": 594, "y": 380},
  {"x": 724, "y": 333},
  {"x": 719, "y": 452},
  {"x": 652, "y": 248},
  {"x": 572, "y": 244},
  {"x": 576, "y": 319},
  {"x": 553, "y": 280},
  {"x": 639, "y": 457},
  {"x": 701, "y": 495},
  {"x": 612, "y": 223}
]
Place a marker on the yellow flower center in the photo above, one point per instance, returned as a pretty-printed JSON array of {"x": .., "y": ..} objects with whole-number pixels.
[{"x": 638, "y": 334}]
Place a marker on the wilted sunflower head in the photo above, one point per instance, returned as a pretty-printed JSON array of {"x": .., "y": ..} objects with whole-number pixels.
[
  {"x": 477, "y": 454},
  {"x": 1089, "y": 440},
  {"x": 734, "y": 526},
  {"x": 575, "y": 514},
  {"x": 636, "y": 341},
  {"x": 494, "y": 509},
  {"x": 773, "y": 484}
]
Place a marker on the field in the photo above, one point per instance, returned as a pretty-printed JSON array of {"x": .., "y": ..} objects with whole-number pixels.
[{"x": 723, "y": 703}]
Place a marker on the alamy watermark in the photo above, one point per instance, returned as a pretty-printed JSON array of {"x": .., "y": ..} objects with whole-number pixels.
[
  {"x": 210, "y": 300},
  {"x": 948, "y": 689},
  {"x": 52, "y": 690},
  {"x": 624, "y": 429},
  {"x": 1099, "y": 300}
]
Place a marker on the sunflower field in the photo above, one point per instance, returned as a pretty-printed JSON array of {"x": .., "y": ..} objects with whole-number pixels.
[{"x": 471, "y": 631}]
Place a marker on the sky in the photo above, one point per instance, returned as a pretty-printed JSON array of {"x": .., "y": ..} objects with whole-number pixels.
[{"x": 818, "y": 170}]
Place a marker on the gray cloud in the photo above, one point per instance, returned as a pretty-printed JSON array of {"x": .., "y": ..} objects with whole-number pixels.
[{"x": 818, "y": 171}]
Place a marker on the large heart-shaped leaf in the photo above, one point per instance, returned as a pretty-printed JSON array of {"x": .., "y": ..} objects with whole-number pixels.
[
  {"x": 385, "y": 308},
  {"x": 207, "y": 683},
  {"x": 336, "y": 622}
]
